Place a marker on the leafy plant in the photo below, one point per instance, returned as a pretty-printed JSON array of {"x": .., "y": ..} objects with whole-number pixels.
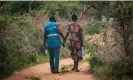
[{"x": 94, "y": 27}]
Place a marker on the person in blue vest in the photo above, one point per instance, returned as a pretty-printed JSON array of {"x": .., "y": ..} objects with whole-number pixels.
[{"x": 52, "y": 33}]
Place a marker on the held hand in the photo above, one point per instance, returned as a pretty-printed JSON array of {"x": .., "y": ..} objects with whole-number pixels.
[
  {"x": 63, "y": 45},
  {"x": 45, "y": 47},
  {"x": 64, "y": 42}
]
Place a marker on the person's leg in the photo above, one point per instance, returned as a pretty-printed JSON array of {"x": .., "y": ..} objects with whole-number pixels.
[
  {"x": 57, "y": 55},
  {"x": 51, "y": 54},
  {"x": 76, "y": 65},
  {"x": 72, "y": 52}
]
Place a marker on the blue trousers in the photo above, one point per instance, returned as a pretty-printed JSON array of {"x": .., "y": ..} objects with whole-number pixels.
[{"x": 54, "y": 54}]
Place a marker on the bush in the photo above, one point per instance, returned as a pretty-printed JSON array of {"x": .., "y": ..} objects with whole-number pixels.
[
  {"x": 94, "y": 61},
  {"x": 19, "y": 8},
  {"x": 19, "y": 44},
  {"x": 123, "y": 69},
  {"x": 103, "y": 72},
  {"x": 94, "y": 27},
  {"x": 120, "y": 70}
]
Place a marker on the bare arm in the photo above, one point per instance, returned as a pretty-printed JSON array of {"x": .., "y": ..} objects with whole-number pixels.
[
  {"x": 83, "y": 12},
  {"x": 60, "y": 32},
  {"x": 67, "y": 34},
  {"x": 82, "y": 38},
  {"x": 44, "y": 38}
]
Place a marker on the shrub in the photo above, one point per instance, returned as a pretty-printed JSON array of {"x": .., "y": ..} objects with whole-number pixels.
[
  {"x": 19, "y": 44},
  {"x": 122, "y": 69},
  {"x": 94, "y": 61},
  {"x": 103, "y": 72},
  {"x": 94, "y": 27}
]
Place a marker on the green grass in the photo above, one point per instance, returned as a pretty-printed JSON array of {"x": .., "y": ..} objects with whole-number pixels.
[
  {"x": 42, "y": 58},
  {"x": 103, "y": 72}
]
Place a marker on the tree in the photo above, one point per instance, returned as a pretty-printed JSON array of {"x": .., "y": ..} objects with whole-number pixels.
[{"x": 122, "y": 12}]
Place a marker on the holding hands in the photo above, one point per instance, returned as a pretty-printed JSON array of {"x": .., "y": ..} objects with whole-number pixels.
[{"x": 64, "y": 41}]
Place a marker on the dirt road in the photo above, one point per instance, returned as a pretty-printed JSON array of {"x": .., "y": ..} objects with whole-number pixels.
[{"x": 42, "y": 72}]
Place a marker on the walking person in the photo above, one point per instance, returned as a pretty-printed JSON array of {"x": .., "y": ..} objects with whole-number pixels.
[
  {"x": 76, "y": 41},
  {"x": 52, "y": 33}
]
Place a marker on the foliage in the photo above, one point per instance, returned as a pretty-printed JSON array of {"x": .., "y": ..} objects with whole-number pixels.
[
  {"x": 98, "y": 8},
  {"x": 121, "y": 11},
  {"x": 94, "y": 27},
  {"x": 16, "y": 7},
  {"x": 63, "y": 9},
  {"x": 94, "y": 61},
  {"x": 19, "y": 44},
  {"x": 103, "y": 72},
  {"x": 121, "y": 70}
]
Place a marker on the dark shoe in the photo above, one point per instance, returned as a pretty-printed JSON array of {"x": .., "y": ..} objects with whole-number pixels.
[
  {"x": 73, "y": 69},
  {"x": 53, "y": 71},
  {"x": 56, "y": 72},
  {"x": 77, "y": 70}
]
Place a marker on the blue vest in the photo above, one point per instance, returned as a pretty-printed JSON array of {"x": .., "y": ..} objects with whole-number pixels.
[{"x": 52, "y": 33}]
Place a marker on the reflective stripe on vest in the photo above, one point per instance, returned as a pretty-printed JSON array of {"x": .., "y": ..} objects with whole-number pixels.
[
  {"x": 51, "y": 28},
  {"x": 51, "y": 35}
]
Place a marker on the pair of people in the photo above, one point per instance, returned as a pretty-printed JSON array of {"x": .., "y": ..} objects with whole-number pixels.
[{"x": 52, "y": 33}]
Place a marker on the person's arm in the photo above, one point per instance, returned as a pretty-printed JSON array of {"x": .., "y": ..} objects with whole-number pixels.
[
  {"x": 82, "y": 39},
  {"x": 83, "y": 12},
  {"x": 60, "y": 32},
  {"x": 44, "y": 38},
  {"x": 81, "y": 35},
  {"x": 67, "y": 34}
]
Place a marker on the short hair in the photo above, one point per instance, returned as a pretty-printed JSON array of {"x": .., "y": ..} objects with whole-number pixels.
[
  {"x": 74, "y": 17},
  {"x": 52, "y": 18}
]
